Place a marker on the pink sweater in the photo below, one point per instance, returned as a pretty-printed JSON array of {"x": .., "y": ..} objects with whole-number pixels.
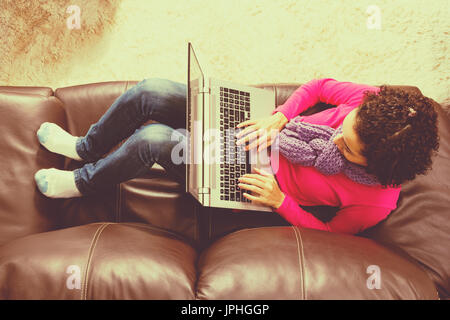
[{"x": 360, "y": 206}]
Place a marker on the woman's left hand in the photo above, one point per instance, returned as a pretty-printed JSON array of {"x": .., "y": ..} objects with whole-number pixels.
[{"x": 264, "y": 187}]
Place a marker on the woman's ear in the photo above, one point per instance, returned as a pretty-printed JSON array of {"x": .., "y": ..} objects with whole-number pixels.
[{"x": 362, "y": 161}]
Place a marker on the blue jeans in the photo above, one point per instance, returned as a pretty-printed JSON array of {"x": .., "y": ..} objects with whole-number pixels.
[{"x": 157, "y": 99}]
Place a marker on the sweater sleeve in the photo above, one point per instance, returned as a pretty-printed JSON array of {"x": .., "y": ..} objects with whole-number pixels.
[
  {"x": 349, "y": 220},
  {"x": 325, "y": 90}
]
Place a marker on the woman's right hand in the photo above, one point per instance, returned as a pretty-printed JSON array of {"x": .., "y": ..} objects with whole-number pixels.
[{"x": 261, "y": 132}]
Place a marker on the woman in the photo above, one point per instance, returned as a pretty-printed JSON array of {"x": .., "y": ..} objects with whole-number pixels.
[{"x": 388, "y": 135}]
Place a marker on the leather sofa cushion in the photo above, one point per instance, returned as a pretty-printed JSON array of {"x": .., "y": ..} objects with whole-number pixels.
[
  {"x": 99, "y": 261},
  {"x": 291, "y": 263}
]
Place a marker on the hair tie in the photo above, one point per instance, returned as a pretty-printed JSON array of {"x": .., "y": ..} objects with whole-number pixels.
[{"x": 412, "y": 113}]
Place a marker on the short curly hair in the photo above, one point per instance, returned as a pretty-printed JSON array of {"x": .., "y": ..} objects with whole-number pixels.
[{"x": 398, "y": 130}]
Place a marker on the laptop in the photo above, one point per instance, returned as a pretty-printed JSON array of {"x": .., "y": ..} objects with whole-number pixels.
[{"x": 214, "y": 163}]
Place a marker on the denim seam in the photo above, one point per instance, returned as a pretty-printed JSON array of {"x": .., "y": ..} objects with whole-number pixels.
[
  {"x": 85, "y": 156},
  {"x": 78, "y": 148},
  {"x": 82, "y": 152},
  {"x": 78, "y": 181}
]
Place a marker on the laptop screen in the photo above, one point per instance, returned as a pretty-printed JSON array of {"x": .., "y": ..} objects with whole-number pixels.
[
  {"x": 195, "y": 82},
  {"x": 195, "y": 73}
]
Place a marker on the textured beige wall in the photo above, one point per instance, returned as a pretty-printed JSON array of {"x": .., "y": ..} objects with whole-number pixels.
[{"x": 241, "y": 40}]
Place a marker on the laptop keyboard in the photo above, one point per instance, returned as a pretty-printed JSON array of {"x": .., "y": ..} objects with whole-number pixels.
[{"x": 234, "y": 160}]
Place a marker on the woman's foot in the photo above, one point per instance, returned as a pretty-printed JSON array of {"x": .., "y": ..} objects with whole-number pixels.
[
  {"x": 57, "y": 140},
  {"x": 55, "y": 183}
]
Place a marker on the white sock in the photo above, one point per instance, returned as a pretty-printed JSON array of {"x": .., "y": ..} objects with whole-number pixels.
[
  {"x": 55, "y": 183},
  {"x": 57, "y": 140}
]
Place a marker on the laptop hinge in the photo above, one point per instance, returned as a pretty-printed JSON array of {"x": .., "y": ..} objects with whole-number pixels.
[{"x": 204, "y": 187}]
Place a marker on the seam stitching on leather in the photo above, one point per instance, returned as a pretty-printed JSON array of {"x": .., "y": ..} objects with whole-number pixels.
[
  {"x": 117, "y": 203},
  {"x": 136, "y": 224},
  {"x": 120, "y": 203},
  {"x": 88, "y": 263},
  {"x": 300, "y": 260}
]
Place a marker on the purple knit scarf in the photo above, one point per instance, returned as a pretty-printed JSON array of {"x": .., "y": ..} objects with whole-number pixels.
[{"x": 312, "y": 145}]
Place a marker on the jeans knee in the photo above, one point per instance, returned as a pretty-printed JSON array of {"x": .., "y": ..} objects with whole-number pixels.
[
  {"x": 154, "y": 88},
  {"x": 157, "y": 140}
]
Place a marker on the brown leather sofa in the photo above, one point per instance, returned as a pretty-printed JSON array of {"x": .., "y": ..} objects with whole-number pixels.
[{"x": 147, "y": 239}]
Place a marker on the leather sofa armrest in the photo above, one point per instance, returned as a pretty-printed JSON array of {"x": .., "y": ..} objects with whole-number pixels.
[
  {"x": 24, "y": 210},
  {"x": 43, "y": 91}
]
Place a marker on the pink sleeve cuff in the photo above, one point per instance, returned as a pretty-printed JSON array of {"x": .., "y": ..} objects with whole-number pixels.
[
  {"x": 289, "y": 208},
  {"x": 295, "y": 215}
]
